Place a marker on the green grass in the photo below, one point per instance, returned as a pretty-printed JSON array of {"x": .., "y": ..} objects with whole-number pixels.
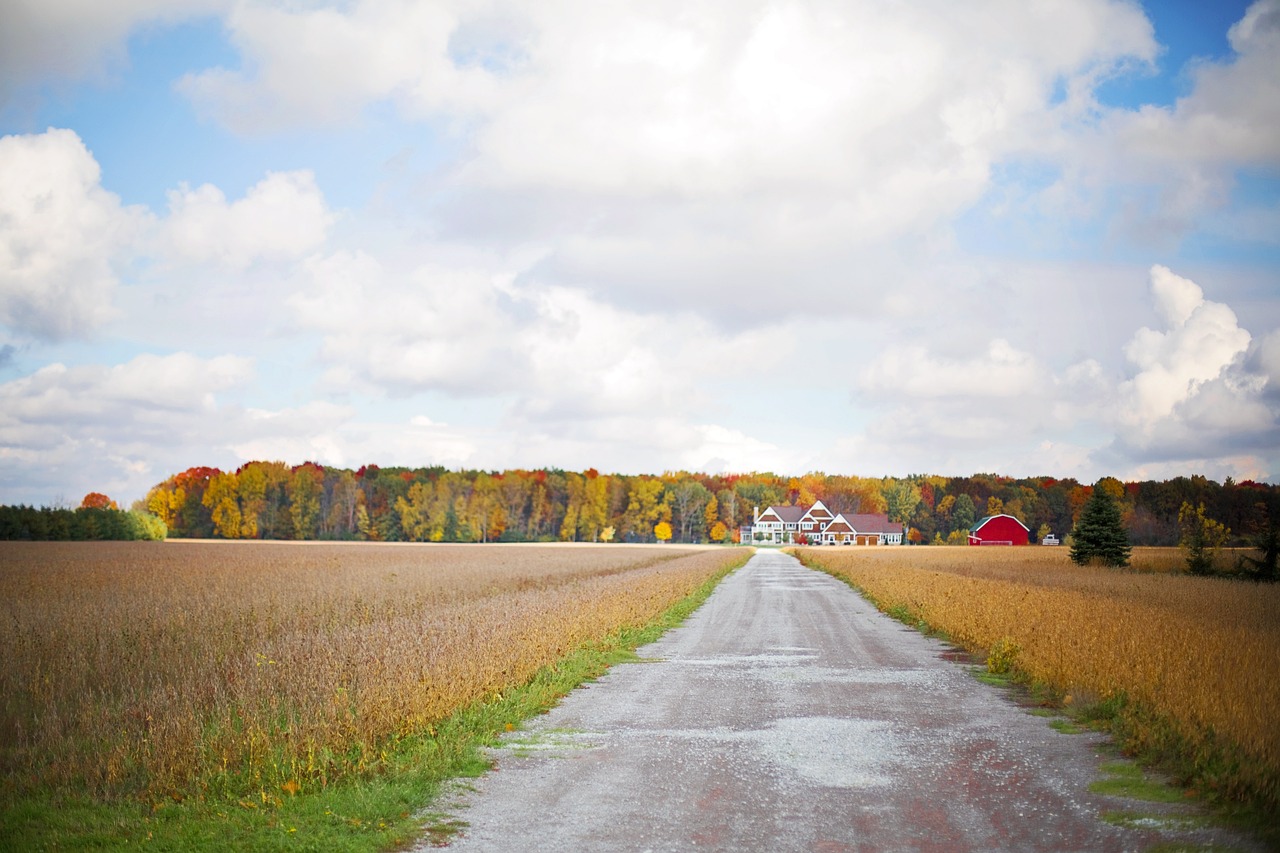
[
  {"x": 377, "y": 813},
  {"x": 1126, "y": 779}
]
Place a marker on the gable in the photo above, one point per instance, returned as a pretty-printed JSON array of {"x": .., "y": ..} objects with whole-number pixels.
[{"x": 997, "y": 522}]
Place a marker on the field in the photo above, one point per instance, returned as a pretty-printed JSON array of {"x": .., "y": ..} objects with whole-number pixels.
[
  {"x": 1190, "y": 665},
  {"x": 174, "y": 671}
]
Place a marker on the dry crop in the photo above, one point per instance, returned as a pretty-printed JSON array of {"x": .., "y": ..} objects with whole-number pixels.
[
  {"x": 1201, "y": 653},
  {"x": 182, "y": 668}
]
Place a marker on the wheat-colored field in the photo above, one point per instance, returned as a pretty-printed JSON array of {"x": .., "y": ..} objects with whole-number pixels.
[
  {"x": 179, "y": 667},
  {"x": 1202, "y": 652}
]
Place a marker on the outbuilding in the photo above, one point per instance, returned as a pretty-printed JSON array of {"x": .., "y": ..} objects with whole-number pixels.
[{"x": 999, "y": 530}]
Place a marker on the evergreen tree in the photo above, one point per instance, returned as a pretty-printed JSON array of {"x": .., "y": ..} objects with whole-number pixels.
[
  {"x": 1266, "y": 566},
  {"x": 1100, "y": 534}
]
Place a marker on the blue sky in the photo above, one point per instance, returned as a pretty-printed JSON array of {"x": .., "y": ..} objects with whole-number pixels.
[{"x": 638, "y": 237}]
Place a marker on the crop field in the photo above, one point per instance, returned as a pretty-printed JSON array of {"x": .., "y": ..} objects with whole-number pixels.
[
  {"x": 1200, "y": 655},
  {"x": 181, "y": 669}
]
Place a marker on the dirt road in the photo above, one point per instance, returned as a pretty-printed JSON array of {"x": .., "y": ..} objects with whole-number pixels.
[{"x": 787, "y": 714}]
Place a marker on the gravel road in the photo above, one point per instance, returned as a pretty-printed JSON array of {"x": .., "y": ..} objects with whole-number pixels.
[{"x": 787, "y": 714}]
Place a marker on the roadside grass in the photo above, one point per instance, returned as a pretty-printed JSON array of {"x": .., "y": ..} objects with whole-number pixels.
[
  {"x": 386, "y": 811},
  {"x": 1197, "y": 770}
]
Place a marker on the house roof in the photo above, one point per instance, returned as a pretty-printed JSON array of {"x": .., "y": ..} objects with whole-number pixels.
[
  {"x": 819, "y": 510},
  {"x": 871, "y": 523},
  {"x": 789, "y": 514},
  {"x": 978, "y": 526},
  {"x": 854, "y": 522}
]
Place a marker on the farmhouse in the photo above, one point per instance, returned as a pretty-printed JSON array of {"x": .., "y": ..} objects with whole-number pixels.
[
  {"x": 817, "y": 525},
  {"x": 999, "y": 530}
]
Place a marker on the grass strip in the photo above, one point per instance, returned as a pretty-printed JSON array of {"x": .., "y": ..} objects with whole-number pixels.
[{"x": 377, "y": 813}]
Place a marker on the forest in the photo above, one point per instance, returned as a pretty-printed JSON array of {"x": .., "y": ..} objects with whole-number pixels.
[{"x": 273, "y": 500}]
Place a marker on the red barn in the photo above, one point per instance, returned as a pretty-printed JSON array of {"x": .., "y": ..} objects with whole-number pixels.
[{"x": 999, "y": 530}]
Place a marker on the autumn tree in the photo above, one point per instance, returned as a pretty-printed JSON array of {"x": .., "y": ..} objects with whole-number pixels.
[
  {"x": 662, "y": 532},
  {"x": 251, "y": 486},
  {"x": 688, "y": 498},
  {"x": 643, "y": 501},
  {"x": 1201, "y": 538},
  {"x": 97, "y": 500},
  {"x": 221, "y": 497},
  {"x": 305, "y": 488},
  {"x": 711, "y": 514}
]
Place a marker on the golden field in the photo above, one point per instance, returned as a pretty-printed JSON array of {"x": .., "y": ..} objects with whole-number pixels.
[
  {"x": 1202, "y": 653},
  {"x": 181, "y": 667}
]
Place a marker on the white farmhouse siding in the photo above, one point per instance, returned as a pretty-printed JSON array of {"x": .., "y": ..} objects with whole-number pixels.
[{"x": 782, "y": 525}]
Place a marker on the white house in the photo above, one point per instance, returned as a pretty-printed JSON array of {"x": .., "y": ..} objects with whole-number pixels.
[{"x": 817, "y": 525}]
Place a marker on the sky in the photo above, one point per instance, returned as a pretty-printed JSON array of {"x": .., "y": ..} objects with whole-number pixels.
[{"x": 710, "y": 235}]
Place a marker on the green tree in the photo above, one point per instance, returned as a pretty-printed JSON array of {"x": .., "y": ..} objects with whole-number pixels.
[
  {"x": 963, "y": 513},
  {"x": 1264, "y": 567},
  {"x": 901, "y": 497},
  {"x": 1099, "y": 535},
  {"x": 1201, "y": 538}
]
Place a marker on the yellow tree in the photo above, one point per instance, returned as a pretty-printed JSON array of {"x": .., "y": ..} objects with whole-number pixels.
[
  {"x": 719, "y": 532},
  {"x": 642, "y": 511},
  {"x": 414, "y": 520},
  {"x": 251, "y": 482},
  {"x": 711, "y": 515},
  {"x": 220, "y": 497},
  {"x": 662, "y": 531}
]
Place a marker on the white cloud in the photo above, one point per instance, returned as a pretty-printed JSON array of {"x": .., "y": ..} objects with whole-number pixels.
[
  {"x": 59, "y": 234},
  {"x": 1204, "y": 391},
  {"x": 1202, "y": 339},
  {"x": 115, "y": 428},
  {"x": 316, "y": 65},
  {"x": 53, "y": 39},
  {"x": 556, "y": 353},
  {"x": 1167, "y": 168},
  {"x": 1002, "y": 371},
  {"x": 283, "y": 216}
]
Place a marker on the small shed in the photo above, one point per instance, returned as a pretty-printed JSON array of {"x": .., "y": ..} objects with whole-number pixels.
[{"x": 999, "y": 530}]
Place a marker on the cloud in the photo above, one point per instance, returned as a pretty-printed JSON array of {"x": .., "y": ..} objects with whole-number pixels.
[
  {"x": 59, "y": 234},
  {"x": 1002, "y": 371},
  {"x": 322, "y": 66},
  {"x": 115, "y": 427},
  {"x": 557, "y": 354},
  {"x": 66, "y": 39},
  {"x": 1201, "y": 341},
  {"x": 1165, "y": 168},
  {"x": 701, "y": 146},
  {"x": 1197, "y": 393},
  {"x": 283, "y": 216},
  {"x": 1204, "y": 392}
]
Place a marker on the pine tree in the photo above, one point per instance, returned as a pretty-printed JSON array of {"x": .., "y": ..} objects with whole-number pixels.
[{"x": 1100, "y": 534}]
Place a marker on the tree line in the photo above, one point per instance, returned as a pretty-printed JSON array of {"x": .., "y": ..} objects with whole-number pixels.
[
  {"x": 86, "y": 523},
  {"x": 273, "y": 500}
]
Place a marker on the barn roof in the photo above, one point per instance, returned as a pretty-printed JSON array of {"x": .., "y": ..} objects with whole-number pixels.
[{"x": 984, "y": 520}]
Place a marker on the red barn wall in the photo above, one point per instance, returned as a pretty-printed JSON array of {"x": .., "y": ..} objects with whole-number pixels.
[{"x": 1003, "y": 529}]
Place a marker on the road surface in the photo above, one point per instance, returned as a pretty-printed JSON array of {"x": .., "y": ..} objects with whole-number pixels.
[{"x": 788, "y": 714}]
